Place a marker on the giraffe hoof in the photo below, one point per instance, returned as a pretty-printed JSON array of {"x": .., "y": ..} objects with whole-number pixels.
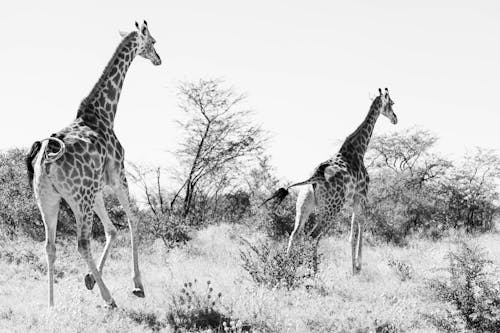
[
  {"x": 89, "y": 281},
  {"x": 111, "y": 305},
  {"x": 138, "y": 292}
]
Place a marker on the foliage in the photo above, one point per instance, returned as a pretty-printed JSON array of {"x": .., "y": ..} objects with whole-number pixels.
[
  {"x": 18, "y": 210},
  {"x": 149, "y": 319},
  {"x": 158, "y": 221},
  {"x": 413, "y": 190},
  {"x": 194, "y": 310},
  {"x": 219, "y": 140},
  {"x": 402, "y": 269},
  {"x": 269, "y": 264},
  {"x": 472, "y": 289},
  {"x": 470, "y": 191}
]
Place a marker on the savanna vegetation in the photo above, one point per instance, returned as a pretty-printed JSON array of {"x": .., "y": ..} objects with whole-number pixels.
[{"x": 213, "y": 259}]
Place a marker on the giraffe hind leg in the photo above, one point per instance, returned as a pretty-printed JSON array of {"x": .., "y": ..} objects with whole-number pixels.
[
  {"x": 304, "y": 208},
  {"x": 48, "y": 203}
]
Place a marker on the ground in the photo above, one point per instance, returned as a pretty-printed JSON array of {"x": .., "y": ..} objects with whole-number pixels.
[{"x": 335, "y": 301}]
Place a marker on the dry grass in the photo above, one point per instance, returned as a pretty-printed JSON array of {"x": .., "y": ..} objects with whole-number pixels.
[{"x": 334, "y": 302}]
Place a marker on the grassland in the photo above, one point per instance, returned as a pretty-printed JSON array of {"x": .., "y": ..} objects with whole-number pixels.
[{"x": 334, "y": 301}]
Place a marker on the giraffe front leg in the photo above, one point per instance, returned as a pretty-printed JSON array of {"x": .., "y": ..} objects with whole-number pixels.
[
  {"x": 123, "y": 196},
  {"x": 352, "y": 240},
  {"x": 109, "y": 230},
  {"x": 356, "y": 237},
  {"x": 84, "y": 223},
  {"x": 357, "y": 242},
  {"x": 359, "y": 246}
]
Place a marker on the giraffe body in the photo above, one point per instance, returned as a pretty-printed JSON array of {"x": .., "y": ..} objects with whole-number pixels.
[
  {"x": 341, "y": 180},
  {"x": 86, "y": 156}
]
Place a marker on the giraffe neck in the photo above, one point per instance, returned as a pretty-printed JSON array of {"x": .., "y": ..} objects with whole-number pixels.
[
  {"x": 99, "y": 107},
  {"x": 358, "y": 141}
]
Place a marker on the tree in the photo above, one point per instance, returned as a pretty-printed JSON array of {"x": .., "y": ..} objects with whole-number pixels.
[
  {"x": 159, "y": 220},
  {"x": 219, "y": 140},
  {"x": 404, "y": 185},
  {"x": 471, "y": 190}
]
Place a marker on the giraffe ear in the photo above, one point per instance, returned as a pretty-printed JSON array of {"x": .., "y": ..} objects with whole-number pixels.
[
  {"x": 123, "y": 33},
  {"x": 137, "y": 25}
]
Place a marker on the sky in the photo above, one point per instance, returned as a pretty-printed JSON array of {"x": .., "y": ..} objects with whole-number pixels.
[{"x": 307, "y": 67}]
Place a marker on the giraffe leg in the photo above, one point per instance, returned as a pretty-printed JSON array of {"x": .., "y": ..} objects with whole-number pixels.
[
  {"x": 84, "y": 224},
  {"x": 359, "y": 245},
  {"x": 354, "y": 239},
  {"x": 360, "y": 234},
  {"x": 304, "y": 208},
  {"x": 123, "y": 196},
  {"x": 48, "y": 204},
  {"x": 109, "y": 230}
]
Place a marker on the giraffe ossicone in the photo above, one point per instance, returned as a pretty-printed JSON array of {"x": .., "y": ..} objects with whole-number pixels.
[
  {"x": 76, "y": 163},
  {"x": 339, "y": 179}
]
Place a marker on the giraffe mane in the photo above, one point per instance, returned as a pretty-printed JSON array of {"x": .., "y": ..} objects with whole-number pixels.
[{"x": 105, "y": 73}]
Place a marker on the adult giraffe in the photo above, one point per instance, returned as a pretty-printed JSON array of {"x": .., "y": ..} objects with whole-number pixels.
[
  {"x": 341, "y": 177},
  {"x": 77, "y": 162}
]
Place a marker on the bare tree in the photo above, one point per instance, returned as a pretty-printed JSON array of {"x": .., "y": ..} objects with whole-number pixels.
[{"x": 219, "y": 137}]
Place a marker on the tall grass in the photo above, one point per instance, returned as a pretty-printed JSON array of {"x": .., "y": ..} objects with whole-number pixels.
[{"x": 332, "y": 301}]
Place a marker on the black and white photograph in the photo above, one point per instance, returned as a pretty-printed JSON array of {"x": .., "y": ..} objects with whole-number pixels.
[{"x": 250, "y": 166}]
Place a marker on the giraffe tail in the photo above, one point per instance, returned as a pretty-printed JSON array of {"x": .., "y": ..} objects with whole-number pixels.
[
  {"x": 35, "y": 148},
  {"x": 282, "y": 192},
  {"x": 49, "y": 157},
  {"x": 279, "y": 195}
]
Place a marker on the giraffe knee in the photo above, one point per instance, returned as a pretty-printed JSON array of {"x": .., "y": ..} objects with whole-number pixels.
[
  {"x": 83, "y": 246},
  {"x": 50, "y": 248},
  {"x": 110, "y": 232}
]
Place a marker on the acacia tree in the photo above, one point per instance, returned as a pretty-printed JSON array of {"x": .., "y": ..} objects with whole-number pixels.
[
  {"x": 219, "y": 138},
  {"x": 405, "y": 178}
]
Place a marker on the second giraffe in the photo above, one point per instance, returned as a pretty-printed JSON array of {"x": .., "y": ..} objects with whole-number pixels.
[{"x": 341, "y": 178}]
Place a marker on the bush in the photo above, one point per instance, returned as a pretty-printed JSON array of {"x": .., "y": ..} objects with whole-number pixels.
[
  {"x": 403, "y": 270},
  {"x": 194, "y": 310},
  {"x": 149, "y": 319},
  {"x": 269, "y": 264},
  {"x": 472, "y": 289},
  {"x": 18, "y": 210},
  {"x": 170, "y": 228}
]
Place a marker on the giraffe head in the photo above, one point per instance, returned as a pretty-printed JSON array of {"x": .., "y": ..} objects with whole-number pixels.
[
  {"x": 384, "y": 103},
  {"x": 146, "y": 44}
]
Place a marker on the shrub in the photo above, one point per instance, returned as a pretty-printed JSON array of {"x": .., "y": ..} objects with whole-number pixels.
[
  {"x": 269, "y": 264},
  {"x": 471, "y": 289},
  {"x": 194, "y": 310},
  {"x": 149, "y": 319},
  {"x": 170, "y": 228},
  {"x": 403, "y": 270},
  {"x": 18, "y": 210}
]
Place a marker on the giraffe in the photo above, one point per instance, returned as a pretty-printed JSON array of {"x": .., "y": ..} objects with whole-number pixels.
[
  {"x": 75, "y": 164},
  {"x": 341, "y": 178}
]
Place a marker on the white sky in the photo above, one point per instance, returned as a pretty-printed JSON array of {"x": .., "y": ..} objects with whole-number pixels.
[{"x": 308, "y": 68}]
